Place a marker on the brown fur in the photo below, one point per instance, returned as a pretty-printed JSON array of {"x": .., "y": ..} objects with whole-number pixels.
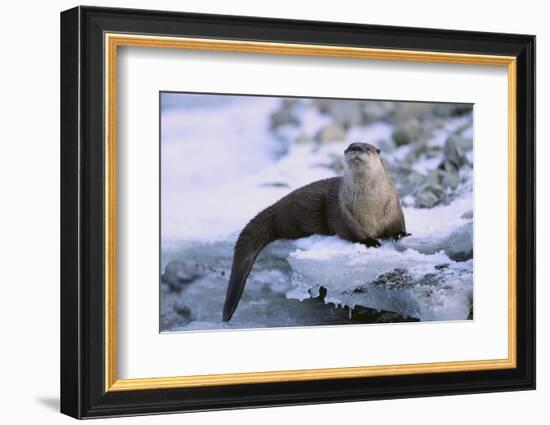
[{"x": 361, "y": 206}]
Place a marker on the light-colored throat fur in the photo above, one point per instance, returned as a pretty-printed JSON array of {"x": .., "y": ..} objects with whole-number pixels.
[{"x": 368, "y": 194}]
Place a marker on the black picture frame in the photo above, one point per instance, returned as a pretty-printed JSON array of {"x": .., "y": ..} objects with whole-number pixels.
[{"x": 83, "y": 392}]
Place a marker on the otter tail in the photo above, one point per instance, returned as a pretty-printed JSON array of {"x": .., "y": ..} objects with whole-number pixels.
[{"x": 254, "y": 237}]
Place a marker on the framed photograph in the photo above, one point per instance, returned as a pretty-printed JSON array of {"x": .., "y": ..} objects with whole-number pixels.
[{"x": 261, "y": 212}]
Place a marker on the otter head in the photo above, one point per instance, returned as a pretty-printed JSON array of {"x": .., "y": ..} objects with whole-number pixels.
[{"x": 362, "y": 158}]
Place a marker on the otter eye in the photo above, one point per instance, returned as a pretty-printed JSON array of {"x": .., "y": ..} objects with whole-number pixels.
[{"x": 377, "y": 150}]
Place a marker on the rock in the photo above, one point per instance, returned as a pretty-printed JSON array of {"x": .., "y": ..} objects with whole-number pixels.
[
  {"x": 406, "y": 132},
  {"x": 433, "y": 177},
  {"x": 170, "y": 315},
  {"x": 407, "y": 182},
  {"x": 275, "y": 184},
  {"x": 425, "y": 200},
  {"x": 462, "y": 108},
  {"x": 408, "y": 110},
  {"x": 385, "y": 145},
  {"x": 399, "y": 170},
  {"x": 433, "y": 151},
  {"x": 465, "y": 143},
  {"x": 371, "y": 315},
  {"x": 366, "y": 315},
  {"x": 460, "y": 243},
  {"x": 445, "y": 178},
  {"x": 468, "y": 214},
  {"x": 331, "y": 133},
  {"x": 416, "y": 149},
  {"x": 282, "y": 117},
  {"x": 323, "y": 105},
  {"x": 415, "y": 180},
  {"x": 181, "y": 308},
  {"x": 429, "y": 195},
  {"x": 446, "y": 110},
  {"x": 346, "y": 114},
  {"x": 377, "y": 111},
  {"x": 428, "y": 127},
  {"x": 304, "y": 138},
  {"x": 290, "y": 102},
  {"x": 181, "y": 272},
  {"x": 448, "y": 179},
  {"x": 454, "y": 151},
  {"x": 391, "y": 317},
  {"x": 448, "y": 166}
]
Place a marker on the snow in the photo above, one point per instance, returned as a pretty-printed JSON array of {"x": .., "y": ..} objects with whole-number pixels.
[
  {"x": 202, "y": 148},
  {"x": 429, "y": 228}
]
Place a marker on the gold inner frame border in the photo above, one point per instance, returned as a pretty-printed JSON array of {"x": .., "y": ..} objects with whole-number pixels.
[{"x": 111, "y": 43}]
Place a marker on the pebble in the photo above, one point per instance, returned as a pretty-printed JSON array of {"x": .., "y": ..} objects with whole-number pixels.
[
  {"x": 331, "y": 133},
  {"x": 429, "y": 195},
  {"x": 406, "y": 132},
  {"x": 181, "y": 272},
  {"x": 282, "y": 117}
]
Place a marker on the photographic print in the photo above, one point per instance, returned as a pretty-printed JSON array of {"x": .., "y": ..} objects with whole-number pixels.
[{"x": 289, "y": 211}]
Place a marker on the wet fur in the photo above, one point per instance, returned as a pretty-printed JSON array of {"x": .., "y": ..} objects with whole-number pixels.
[{"x": 361, "y": 206}]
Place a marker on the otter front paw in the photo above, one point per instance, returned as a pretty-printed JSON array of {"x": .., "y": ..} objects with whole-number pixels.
[
  {"x": 400, "y": 235},
  {"x": 371, "y": 243}
]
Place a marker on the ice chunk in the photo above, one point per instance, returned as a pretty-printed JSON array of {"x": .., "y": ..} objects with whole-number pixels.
[
  {"x": 458, "y": 245},
  {"x": 444, "y": 294},
  {"x": 412, "y": 284},
  {"x": 441, "y": 228}
]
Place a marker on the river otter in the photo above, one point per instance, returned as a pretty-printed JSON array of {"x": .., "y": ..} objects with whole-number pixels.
[{"x": 361, "y": 206}]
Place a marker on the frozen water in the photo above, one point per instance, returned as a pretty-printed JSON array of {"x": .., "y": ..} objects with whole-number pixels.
[{"x": 425, "y": 286}]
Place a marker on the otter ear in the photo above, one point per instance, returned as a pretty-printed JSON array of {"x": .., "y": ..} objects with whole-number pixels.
[{"x": 377, "y": 150}]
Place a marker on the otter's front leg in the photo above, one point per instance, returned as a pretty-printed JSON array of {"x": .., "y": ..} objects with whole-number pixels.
[
  {"x": 356, "y": 233},
  {"x": 400, "y": 235},
  {"x": 371, "y": 242}
]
